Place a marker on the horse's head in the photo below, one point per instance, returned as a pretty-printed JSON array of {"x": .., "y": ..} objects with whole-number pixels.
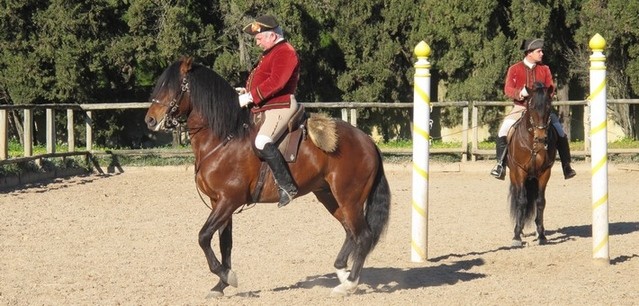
[
  {"x": 170, "y": 99},
  {"x": 188, "y": 89},
  {"x": 538, "y": 107}
]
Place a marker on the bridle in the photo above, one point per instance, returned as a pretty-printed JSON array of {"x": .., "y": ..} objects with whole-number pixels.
[
  {"x": 534, "y": 126},
  {"x": 171, "y": 119}
]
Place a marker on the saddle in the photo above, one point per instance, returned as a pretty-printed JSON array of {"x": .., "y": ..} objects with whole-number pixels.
[{"x": 289, "y": 142}]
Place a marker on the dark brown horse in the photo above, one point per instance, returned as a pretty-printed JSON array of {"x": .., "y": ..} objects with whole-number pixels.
[
  {"x": 348, "y": 178},
  {"x": 531, "y": 154}
]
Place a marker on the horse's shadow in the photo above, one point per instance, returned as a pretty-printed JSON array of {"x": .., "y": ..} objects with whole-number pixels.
[
  {"x": 585, "y": 231},
  {"x": 393, "y": 279}
]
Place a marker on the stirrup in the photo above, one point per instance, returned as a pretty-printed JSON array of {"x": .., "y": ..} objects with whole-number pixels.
[
  {"x": 285, "y": 197},
  {"x": 498, "y": 172}
]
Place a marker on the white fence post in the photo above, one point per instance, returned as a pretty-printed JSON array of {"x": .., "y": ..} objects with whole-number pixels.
[
  {"x": 599, "y": 150},
  {"x": 421, "y": 138}
]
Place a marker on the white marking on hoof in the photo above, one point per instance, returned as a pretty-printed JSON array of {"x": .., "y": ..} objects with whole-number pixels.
[
  {"x": 517, "y": 243},
  {"x": 345, "y": 288},
  {"x": 231, "y": 278},
  {"x": 342, "y": 275},
  {"x": 214, "y": 294}
]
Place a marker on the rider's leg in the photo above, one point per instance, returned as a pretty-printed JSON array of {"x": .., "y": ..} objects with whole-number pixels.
[
  {"x": 281, "y": 173},
  {"x": 499, "y": 170},
  {"x": 563, "y": 148},
  {"x": 275, "y": 123}
]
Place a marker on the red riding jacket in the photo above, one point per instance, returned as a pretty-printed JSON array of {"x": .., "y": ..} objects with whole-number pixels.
[
  {"x": 275, "y": 77},
  {"x": 519, "y": 75}
]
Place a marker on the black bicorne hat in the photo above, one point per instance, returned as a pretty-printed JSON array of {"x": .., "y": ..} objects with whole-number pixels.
[
  {"x": 532, "y": 44},
  {"x": 261, "y": 24}
]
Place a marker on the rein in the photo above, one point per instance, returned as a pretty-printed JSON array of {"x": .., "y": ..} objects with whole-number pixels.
[
  {"x": 197, "y": 167},
  {"x": 171, "y": 121}
]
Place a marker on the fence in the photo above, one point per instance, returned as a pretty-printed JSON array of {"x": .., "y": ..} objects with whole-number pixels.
[{"x": 349, "y": 112}]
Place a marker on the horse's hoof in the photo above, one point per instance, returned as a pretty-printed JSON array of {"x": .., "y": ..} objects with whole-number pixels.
[
  {"x": 215, "y": 294},
  {"x": 231, "y": 278},
  {"x": 344, "y": 289},
  {"x": 517, "y": 243},
  {"x": 543, "y": 241}
]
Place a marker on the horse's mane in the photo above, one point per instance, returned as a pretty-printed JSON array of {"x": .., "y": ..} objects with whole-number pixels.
[{"x": 211, "y": 96}]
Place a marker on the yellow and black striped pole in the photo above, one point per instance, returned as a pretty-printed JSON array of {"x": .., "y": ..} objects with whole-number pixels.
[
  {"x": 421, "y": 138},
  {"x": 599, "y": 150}
]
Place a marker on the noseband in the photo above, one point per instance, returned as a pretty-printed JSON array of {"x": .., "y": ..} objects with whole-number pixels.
[{"x": 171, "y": 118}]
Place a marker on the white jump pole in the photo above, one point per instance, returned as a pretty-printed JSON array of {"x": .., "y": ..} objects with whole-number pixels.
[
  {"x": 421, "y": 137},
  {"x": 599, "y": 150}
]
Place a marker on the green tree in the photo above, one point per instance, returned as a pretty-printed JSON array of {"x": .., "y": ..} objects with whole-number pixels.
[{"x": 616, "y": 21}]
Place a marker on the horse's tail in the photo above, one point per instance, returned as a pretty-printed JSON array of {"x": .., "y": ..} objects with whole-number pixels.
[
  {"x": 378, "y": 204},
  {"x": 522, "y": 200}
]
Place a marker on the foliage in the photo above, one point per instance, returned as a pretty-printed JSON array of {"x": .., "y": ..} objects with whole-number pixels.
[{"x": 78, "y": 51}]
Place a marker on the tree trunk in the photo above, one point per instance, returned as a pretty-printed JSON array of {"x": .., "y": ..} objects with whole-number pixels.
[{"x": 15, "y": 124}]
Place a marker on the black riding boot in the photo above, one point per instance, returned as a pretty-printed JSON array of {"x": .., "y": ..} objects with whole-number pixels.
[
  {"x": 499, "y": 171},
  {"x": 281, "y": 173},
  {"x": 564, "y": 155}
]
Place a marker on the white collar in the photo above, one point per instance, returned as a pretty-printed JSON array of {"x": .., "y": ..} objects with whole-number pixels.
[{"x": 529, "y": 64}]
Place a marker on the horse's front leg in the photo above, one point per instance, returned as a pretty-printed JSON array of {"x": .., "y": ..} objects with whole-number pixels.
[
  {"x": 226, "y": 245},
  {"x": 518, "y": 203},
  {"x": 218, "y": 220},
  {"x": 539, "y": 219}
]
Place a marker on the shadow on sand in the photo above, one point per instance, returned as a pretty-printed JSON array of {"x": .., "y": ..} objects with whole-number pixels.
[{"x": 393, "y": 279}]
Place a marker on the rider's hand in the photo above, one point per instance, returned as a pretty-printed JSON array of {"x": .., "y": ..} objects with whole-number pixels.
[
  {"x": 523, "y": 93},
  {"x": 240, "y": 90},
  {"x": 245, "y": 99}
]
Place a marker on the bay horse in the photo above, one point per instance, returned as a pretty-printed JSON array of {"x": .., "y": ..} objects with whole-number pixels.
[
  {"x": 348, "y": 179},
  {"x": 531, "y": 154}
]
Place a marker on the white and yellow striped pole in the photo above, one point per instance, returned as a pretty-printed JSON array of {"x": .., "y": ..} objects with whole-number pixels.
[
  {"x": 421, "y": 138},
  {"x": 599, "y": 150}
]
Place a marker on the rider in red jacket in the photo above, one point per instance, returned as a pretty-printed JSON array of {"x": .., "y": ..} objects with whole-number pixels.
[
  {"x": 521, "y": 75},
  {"x": 270, "y": 91}
]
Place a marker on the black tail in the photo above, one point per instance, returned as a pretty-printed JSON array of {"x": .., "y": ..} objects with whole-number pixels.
[
  {"x": 522, "y": 201},
  {"x": 378, "y": 205}
]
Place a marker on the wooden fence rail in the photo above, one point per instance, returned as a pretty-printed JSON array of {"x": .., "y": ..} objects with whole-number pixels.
[{"x": 349, "y": 111}]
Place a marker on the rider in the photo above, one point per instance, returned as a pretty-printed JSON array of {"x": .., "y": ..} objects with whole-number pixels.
[
  {"x": 269, "y": 90},
  {"x": 521, "y": 75}
]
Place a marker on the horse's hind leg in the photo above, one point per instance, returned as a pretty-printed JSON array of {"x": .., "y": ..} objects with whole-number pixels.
[
  {"x": 351, "y": 246},
  {"x": 341, "y": 262}
]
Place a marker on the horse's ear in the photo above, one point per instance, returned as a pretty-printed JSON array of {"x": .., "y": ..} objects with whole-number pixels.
[{"x": 185, "y": 67}]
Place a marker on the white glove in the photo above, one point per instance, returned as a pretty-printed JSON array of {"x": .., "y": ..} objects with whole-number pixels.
[
  {"x": 523, "y": 93},
  {"x": 245, "y": 99},
  {"x": 240, "y": 90}
]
